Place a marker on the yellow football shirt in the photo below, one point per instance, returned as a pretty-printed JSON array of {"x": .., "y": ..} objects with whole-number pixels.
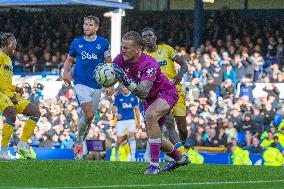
[
  {"x": 165, "y": 56},
  {"x": 6, "y": 74}
]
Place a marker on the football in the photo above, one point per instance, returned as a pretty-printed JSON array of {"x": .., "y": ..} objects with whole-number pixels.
[{"x": 105, "y": 75}]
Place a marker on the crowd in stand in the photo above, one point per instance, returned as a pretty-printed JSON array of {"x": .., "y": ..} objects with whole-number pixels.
[{"x": 236, "y": 53}]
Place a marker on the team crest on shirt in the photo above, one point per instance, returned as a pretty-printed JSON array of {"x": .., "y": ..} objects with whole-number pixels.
[
  {"x": 98, "y": 46},
  {"x": 127, "y": 69},
  {"x": 151, "y": 72}
]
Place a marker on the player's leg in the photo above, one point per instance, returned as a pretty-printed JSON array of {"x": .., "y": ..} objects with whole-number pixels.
[
  {"x": 120, "y": 129},
  {"x": 88, "y": 99},
  {"x": 26, "y": 108},
  {"x": 9, "y": 113},
  {"x": 179, "y": 113},
  {"x": 172, "y": 134},
  {"x": 131, "y": 127},
  {"x": 171, "y": 151},
  {"x": 8, "y": 110},
  {"x": 154, "y": 112}
]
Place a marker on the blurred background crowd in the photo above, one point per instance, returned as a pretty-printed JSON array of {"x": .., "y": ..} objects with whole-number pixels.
[{"x": 236, "y": 54}]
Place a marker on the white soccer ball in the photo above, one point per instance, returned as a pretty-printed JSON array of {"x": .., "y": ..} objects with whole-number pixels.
[{"x": 105, "y": 75}]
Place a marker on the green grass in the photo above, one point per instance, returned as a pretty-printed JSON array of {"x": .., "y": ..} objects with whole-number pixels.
[{"x": 98, "y": 174}]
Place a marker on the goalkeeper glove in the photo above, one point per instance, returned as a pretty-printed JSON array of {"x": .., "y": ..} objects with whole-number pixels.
[{"x": 126, "y": 81}]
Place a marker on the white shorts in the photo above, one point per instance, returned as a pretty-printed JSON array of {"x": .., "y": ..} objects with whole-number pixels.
[
  {"x": 87, "y": 94},
  {"x": 125, "y": 125}
]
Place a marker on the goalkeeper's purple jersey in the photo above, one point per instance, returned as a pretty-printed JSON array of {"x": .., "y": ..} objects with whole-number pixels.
[{"x": 147, "y": 68}]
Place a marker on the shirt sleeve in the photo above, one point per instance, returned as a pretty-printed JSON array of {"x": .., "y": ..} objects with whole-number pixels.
[
  {"x": 135, "y": 101},
  {"x": 115, "y": 103},
  {"x": 172, "y": 52},
  {"x": 72, "y": 51},
  {"x": 150, "y": 71},
  {"x": 107, "y": 52}
]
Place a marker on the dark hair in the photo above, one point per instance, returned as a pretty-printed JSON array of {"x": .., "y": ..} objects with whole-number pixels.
[
  {"x": 4, "y": 38},
  {"x": 134, "y": 36},
  {"x": 148, "y": 29},
  {"x": 94, "y": 18}
]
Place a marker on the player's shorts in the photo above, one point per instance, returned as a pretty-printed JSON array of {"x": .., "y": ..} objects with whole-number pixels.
[
  {"x": 180, "y": 108},
  {"x": 171, "y": 96},
  {"x": 87, "y": 94},
  {"x": 125, "y": 125},
  {"x": 5, "y": 102}
]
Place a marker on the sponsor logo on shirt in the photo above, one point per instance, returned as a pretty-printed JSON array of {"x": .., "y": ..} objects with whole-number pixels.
[
  {"x": 125, "y": 105},
  {"x": 89, "y": 56},
  {"x": 163, "y": 63},
  {"x": 80, "y": 46}
]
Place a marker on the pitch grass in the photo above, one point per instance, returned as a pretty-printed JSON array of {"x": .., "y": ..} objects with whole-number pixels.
[{"x": 99, "y": 174}]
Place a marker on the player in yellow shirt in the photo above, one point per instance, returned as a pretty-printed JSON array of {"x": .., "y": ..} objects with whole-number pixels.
[
  {"x": 11, "y": 103},
  {"x": 166, "y": 56}
]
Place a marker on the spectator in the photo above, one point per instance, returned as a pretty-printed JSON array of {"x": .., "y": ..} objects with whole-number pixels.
[{"x": 255, "y": 147}]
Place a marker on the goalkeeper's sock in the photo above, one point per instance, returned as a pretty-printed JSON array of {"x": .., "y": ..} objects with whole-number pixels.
[
  {"x": 29, "y": 128},
  {"x": 7, "y": 131}
]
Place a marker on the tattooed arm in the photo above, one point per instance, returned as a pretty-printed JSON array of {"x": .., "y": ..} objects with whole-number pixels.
[{"x": 142, "y": 90}]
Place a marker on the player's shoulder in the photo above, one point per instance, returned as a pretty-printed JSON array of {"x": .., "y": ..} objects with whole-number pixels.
[
  {"x": 148, "y": 60},
  {"x": 118, "y": 59},
  {"x": 78, "y": 40},
  {"x": 132, "y": 96},
  {"x": 101, "y": 38},
  {"x": 165, "y": 46}
]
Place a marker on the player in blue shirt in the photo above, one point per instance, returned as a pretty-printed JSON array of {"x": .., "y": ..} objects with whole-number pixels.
[
  {"x": 88, "y": 51},
  {"x": 124, "y": 106}
]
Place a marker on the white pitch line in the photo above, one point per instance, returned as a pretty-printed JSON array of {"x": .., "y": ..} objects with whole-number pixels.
[{"x": 149, "y": 185}]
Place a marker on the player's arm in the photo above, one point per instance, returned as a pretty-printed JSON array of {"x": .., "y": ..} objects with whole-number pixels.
[
  {"x": 137, "y": 115},
  {"x": 179, "y": 60},
  {"x": 183, "y": 68},
  {"x": 140, "y": 90},
  {"x": 115, "y": 113},
  {"x": 67, "y": 70},
  {"x": 68, "y": 64},
  {"x": 107, "y": 54}
]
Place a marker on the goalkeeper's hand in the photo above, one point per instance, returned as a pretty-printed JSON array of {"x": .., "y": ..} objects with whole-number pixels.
[{"x": 122, "y": 77}]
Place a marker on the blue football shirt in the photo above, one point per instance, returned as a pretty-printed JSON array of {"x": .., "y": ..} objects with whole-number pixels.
[
  {"x": 125, "y": 105},
  {"x": 88, "y": 54}
]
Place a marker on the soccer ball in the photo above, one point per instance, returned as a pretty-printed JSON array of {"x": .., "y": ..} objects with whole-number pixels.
[{"x": 105, "y": 75}]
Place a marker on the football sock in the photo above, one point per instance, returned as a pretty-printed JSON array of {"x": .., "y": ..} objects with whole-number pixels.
[
  {"x": 132, "y": 144},
  {"x": 155, "y": 145},
  {"x": 175, "y": 154},
  {"x": 30, "y": 125},
  {"x": 7, "y": 131},
  {"x": 83, "y": 127}
]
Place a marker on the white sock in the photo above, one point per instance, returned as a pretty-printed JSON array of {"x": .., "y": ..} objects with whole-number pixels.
[
  {"x": 147, "y": 153},
  {"x": 82, "y": 127},
  {"x": 132, "y": 144}
]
